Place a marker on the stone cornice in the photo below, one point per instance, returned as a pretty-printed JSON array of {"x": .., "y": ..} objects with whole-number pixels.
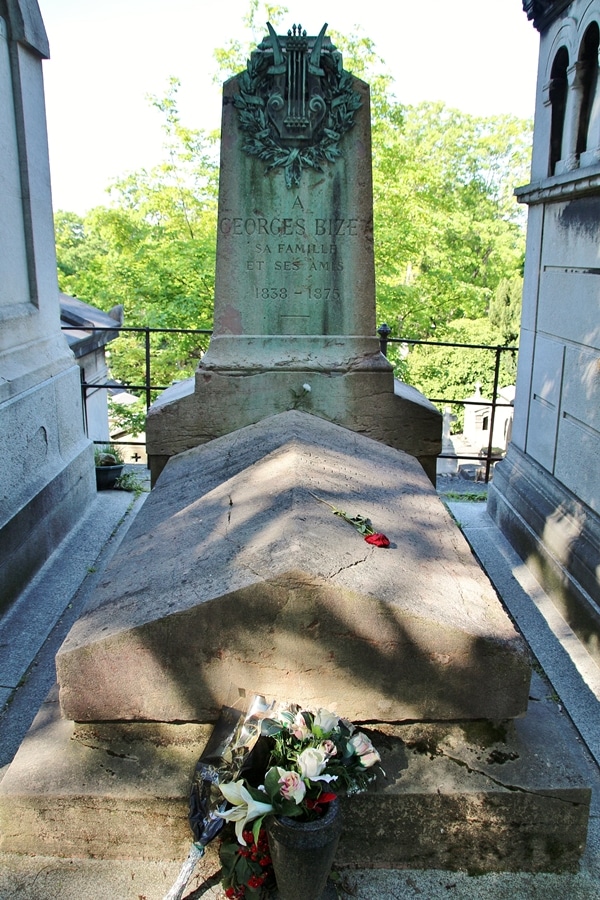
[
  {"x": 559, "y": 188},
  {"x": 26, "y": 25},
  {"x": 543, "y": 12}
]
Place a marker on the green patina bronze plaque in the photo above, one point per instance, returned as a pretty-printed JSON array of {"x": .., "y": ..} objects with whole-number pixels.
[{"x": 295, "y": 102}]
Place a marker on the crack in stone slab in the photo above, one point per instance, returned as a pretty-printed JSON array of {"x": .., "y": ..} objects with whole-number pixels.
[
  {"x": 499, "y": 783},
  {"x": 357, "y": 562},
  {"x": 105, "y": 750}
]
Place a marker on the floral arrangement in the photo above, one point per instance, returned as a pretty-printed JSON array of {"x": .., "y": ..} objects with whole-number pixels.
[{"x": 300, "y": 758}]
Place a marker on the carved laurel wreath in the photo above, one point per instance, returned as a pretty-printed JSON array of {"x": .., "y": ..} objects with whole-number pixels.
[{"x": 262, "y": 139}]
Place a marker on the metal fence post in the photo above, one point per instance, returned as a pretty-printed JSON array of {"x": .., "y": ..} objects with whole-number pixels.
[
  {"x": 384, "y": 332},
  {"x": 148, "y": 380},
  {"x": 490, "y": 449},
  {"x": 84, "y": 411}
]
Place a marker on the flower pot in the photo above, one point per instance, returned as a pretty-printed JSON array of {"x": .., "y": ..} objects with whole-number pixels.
[
  {"x": 107, "y": 475},
  {"x": 303, "y": 852}
]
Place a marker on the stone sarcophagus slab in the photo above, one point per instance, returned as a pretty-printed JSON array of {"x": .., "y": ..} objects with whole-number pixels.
[{"x": 235, "y": 574}]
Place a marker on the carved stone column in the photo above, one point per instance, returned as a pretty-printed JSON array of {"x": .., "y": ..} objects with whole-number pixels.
[
  {"x": 591, "y": 155},
  {"x": 569, "y": 159}
]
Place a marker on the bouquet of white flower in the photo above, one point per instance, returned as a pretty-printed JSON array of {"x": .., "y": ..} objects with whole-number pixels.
[
  {"x": 269, "y": 760},
  {"x": 299, "y": 762}
]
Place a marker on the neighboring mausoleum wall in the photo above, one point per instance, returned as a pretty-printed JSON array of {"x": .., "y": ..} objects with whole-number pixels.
[
  {"x": 47, "y": 466},
  {"x": 546, "y": 494}
]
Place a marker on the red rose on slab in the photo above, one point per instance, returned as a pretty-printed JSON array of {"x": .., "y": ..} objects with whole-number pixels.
[
  {"x": 378, "y": 539},
  {"x": 363, "y": 525}
]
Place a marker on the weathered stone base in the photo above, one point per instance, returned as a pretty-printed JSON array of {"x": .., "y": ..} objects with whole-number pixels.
[
  {"x": 477, "y": 796},
  {"x": 367, "y": 400},
  {"x": 100, "y": 791},
  {"x": 47, "y": 471},
  {"x": 472, "y": 796},
  {"x": 556, "y": 535}
]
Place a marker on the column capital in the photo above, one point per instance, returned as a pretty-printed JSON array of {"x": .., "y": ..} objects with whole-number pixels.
[{"x": 543, "y": 12}]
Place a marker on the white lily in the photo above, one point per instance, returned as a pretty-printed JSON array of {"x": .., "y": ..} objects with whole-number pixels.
[{"x": 245, "y": 807}]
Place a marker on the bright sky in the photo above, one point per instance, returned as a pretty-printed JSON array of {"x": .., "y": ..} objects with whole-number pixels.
[{"x": 108, "y": 55}]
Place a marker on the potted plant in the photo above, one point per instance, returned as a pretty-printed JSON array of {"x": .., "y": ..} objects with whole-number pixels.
[
  {"x": 305, "y": 757},
  {"x": 109, "y": 464},
  {"x": 270, "y": 773}
]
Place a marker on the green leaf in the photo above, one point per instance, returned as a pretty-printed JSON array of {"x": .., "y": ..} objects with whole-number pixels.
[
  {"x": 255, "y": 793},
  {"x": 270, "y": 727},
  {"x": 257, "y": 825},
  {"x": 272, "y": 784}
]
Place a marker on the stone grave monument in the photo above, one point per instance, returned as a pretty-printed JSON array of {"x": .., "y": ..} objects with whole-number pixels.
[
  {"x": 294, "y": 319},
  {"x": 234, "y": 574}
]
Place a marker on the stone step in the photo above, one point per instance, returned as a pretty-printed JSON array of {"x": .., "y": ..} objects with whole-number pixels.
[{"x": 475, "y": 795}]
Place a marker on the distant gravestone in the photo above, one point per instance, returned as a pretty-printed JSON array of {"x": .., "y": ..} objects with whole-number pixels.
[{"x": 294, "y": 323}]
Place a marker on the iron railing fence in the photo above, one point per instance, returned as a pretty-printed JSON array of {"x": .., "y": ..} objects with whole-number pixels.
[
  {"x": 148, "y": 389},
  {"x": 489, "y": 457}
]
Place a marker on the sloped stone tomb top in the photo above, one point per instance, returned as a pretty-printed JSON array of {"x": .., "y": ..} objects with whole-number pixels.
[{"x": 234, "y": 574}]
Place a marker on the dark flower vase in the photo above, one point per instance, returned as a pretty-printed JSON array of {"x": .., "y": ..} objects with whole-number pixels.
[
  {"x": 106, "y": 476},
  {"x": 303, "y": 853}
]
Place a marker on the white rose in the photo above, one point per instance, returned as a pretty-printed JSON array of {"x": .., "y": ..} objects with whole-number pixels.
[
  {"x": 364, "y": 749},
  {"x": 300, "y": 729},
  {"x": 311, "y": 762},
  {"x": 292, "y": 786},
  {"x": 326, "y": 720}
]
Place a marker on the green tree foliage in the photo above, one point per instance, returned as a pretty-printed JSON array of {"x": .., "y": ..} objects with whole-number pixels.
[
  {"x": 452, "y": 374},
  {"x": 153, "y": 251},
  {"x": 447, "y": 230},
  {"x": 505, "y": 308}
]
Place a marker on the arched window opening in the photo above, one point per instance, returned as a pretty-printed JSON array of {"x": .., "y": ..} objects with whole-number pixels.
[
  {"x": 588, "y": 62},
  {"x": 558, "y": 101}
]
